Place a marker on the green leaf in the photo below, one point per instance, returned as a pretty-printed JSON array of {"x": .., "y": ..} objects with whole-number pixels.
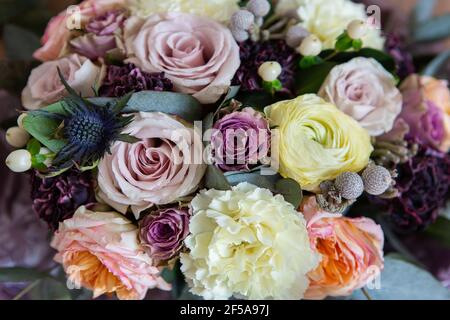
[
  {"x": 422, "y": 11},
  {"x": 256, "y": 100},
  {"x": 208, "y": 122},
  {"x": 291, "y": 191},
  {"x": 18, "y": 274},
  {"x": 33, "y": 146},
  {"x": 50, "y": 289},
  {"x": 440, "y": 230},
  {"x": 255, "y": 178},
  {"x": 432, "y": 30},
  {"x": 20, "y": 43},
  {"x": 433, "y": 68},
  {"x": 310, "y": 80},
  {"x": 215, "y": 179},
  {"x": 401, "y": 280},
  {"x": 182, "y": 105},
  {"x": 122, "y": 102},
  {"x": 128, "y": 138}
]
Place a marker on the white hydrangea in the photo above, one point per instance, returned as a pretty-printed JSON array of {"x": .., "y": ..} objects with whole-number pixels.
[
  {"x": 219, "y": 10},
  {"x": 247, "y": 243}
]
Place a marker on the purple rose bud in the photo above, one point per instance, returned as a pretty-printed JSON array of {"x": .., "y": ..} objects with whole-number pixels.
[
  {"x": 240, "y": 139},
  {"x": 163, "y": 231},
  {"x": 106, "y": 24}
]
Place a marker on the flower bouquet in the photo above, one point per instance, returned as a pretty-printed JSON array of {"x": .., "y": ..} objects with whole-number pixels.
[{"x": 249, "y": 149}]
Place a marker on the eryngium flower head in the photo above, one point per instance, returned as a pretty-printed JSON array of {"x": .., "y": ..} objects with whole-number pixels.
[
  {"x": 253, "y": 54},
  {"x": 395, "y": 46},
  {"x": 423, "y": 184},
  {"x": 121, "y": 80},
  {"x": 89, "y": 130},
  {"x": 56, "y": 199}
]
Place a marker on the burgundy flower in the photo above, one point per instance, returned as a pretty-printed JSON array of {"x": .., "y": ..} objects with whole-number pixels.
[
  {"x": 253, "y": 54},
  {"x": 402, "y": 57},
  {"x": 163, "y": 231},
  {"x": 423, "y": 183},
  {"x": 121, "y": 80},
  {"x": 56, "y": 199}
]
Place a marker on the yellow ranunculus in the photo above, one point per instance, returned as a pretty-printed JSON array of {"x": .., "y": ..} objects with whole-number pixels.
[
  {"x": 317, "y": 141},
  {"x": 247, "y": 243},
  {"x": 219, "y": 10}
]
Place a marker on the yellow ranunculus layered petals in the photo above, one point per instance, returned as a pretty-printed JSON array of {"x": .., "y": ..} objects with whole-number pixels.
[{"x": 317, "y": 141}]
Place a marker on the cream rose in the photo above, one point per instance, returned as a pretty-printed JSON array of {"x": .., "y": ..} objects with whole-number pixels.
[
  {"x": 329, "y": 19},
  {"x": 364, "y": 90},
  {"x": 44, "y": 86},
  {"x": 248, "y": 243},
  {"x": 219, "y": 10},
  {"x": 197, "y": 54},
  {"x": 164, "y": 166}
]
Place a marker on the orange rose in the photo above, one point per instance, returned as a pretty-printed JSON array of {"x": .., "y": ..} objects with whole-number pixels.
[{"x": 351, "y": 250}]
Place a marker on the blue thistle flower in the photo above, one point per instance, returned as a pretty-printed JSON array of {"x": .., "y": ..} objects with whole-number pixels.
[{"x": 88, "y": 129}]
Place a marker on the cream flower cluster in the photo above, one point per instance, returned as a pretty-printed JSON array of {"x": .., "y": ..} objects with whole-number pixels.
[
  {"x": 219, "y": 10},
  {"x": 247, "y": 243}
]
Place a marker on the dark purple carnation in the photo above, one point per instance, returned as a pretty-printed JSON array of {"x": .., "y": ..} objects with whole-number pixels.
[
  {"x": 121, "y": 80},
  {"x": 240, "y": 139},
  {"x": 56, "y": 199},
  {"x": 163, "y": 231},
  {"x": 402, "y": 57},
  {"x": 423, "y": 184},
  {"x": 253, "y": 54}
]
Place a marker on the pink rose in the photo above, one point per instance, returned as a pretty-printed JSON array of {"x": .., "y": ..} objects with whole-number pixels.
[
  {"x": 351, "y": 250},
  {"x": 197, "y": 54},
  {"x": 57, "y": 34},
  {"x": 164, "y": 166},
  {"x": 100, "y": 251},
  {"x": 44, "y": 86},
  {"x": 364, "y": 90}
]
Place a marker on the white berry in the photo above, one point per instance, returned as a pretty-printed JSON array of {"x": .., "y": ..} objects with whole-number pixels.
[
  {"x": 356, "y": 29},
  {"x": 20, "y": 119},
  {"x": 17, "y": 137},
  {"x": 259, "y": 8},
  {"x": 19, "y": 161},
  {"x": 269, "y": 71},
  {"x": 310, "y": 46},
  {"x": 242, "y": 19}
]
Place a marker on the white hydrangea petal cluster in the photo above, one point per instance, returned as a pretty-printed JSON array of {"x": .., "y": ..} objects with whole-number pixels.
[{"x": 247, "y": 243}]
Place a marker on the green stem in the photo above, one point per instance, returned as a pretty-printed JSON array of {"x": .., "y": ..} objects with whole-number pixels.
[
  {"x": 27, "y": 289},
  {"x": 331, "y": 56},
  {"x": 366, "y": 293}
]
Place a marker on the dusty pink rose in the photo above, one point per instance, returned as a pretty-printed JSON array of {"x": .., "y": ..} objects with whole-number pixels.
[
  {"x": 164, "y": 166},
  {"x": 364, "y": 90},
  {"x": 199, "y": 55},
  {"x": 100, "y": 251},
  {"x": 45, "y": 87},
  {"x": 57, "y": 34},
  {"x": 351, "y": 250}
]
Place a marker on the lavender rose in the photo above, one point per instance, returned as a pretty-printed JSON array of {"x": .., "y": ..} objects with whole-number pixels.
[
  {"x": 199, "y": 55},
  {"x": 239, "y": 140},
  {"x": 364, "y": 90},
  {"x": 101, "y": 35},
  {"x": 164, "y": 165},
  {"x": 44, "y": 86},
  {"x": 163, "y": 231}
]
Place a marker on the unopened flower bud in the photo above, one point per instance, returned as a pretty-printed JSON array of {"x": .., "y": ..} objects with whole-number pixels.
[
  {"x": 269, "y": 71},
  {"x": 17, "y": 137},
  {"x": 19, "y": 161}
]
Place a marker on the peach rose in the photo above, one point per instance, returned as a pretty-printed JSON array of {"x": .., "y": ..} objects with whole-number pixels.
[
  {"x": 100, "y": 251},
  {"x": 351, "y": 249},
  {"x": 164, "y": 166},
  {"x": 57, "y": 34},
  {"x": 44, "y": 86},
  {"x": 365, "y": 91},
  {"x": 199, "y": 55}
]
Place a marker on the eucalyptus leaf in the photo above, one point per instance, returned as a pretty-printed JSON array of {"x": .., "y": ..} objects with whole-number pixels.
[
  {"x": 215, "y": 179},
  {"x": 432, "y": 30},
  {"x": 20, "y": 43},
  {"x": 291, "y": 191},
  {"x": 18, "y": 274},
  {"x": 182, "y": 105},
  {"x": 435, "y": 65},
  {"x": 255, "y": 178},
  {"x": 50, "y": 289},
  {"x": 422, "y": 11},
  {"x": 310, "y": 80},
  {"x": 404, "y": 281}
]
